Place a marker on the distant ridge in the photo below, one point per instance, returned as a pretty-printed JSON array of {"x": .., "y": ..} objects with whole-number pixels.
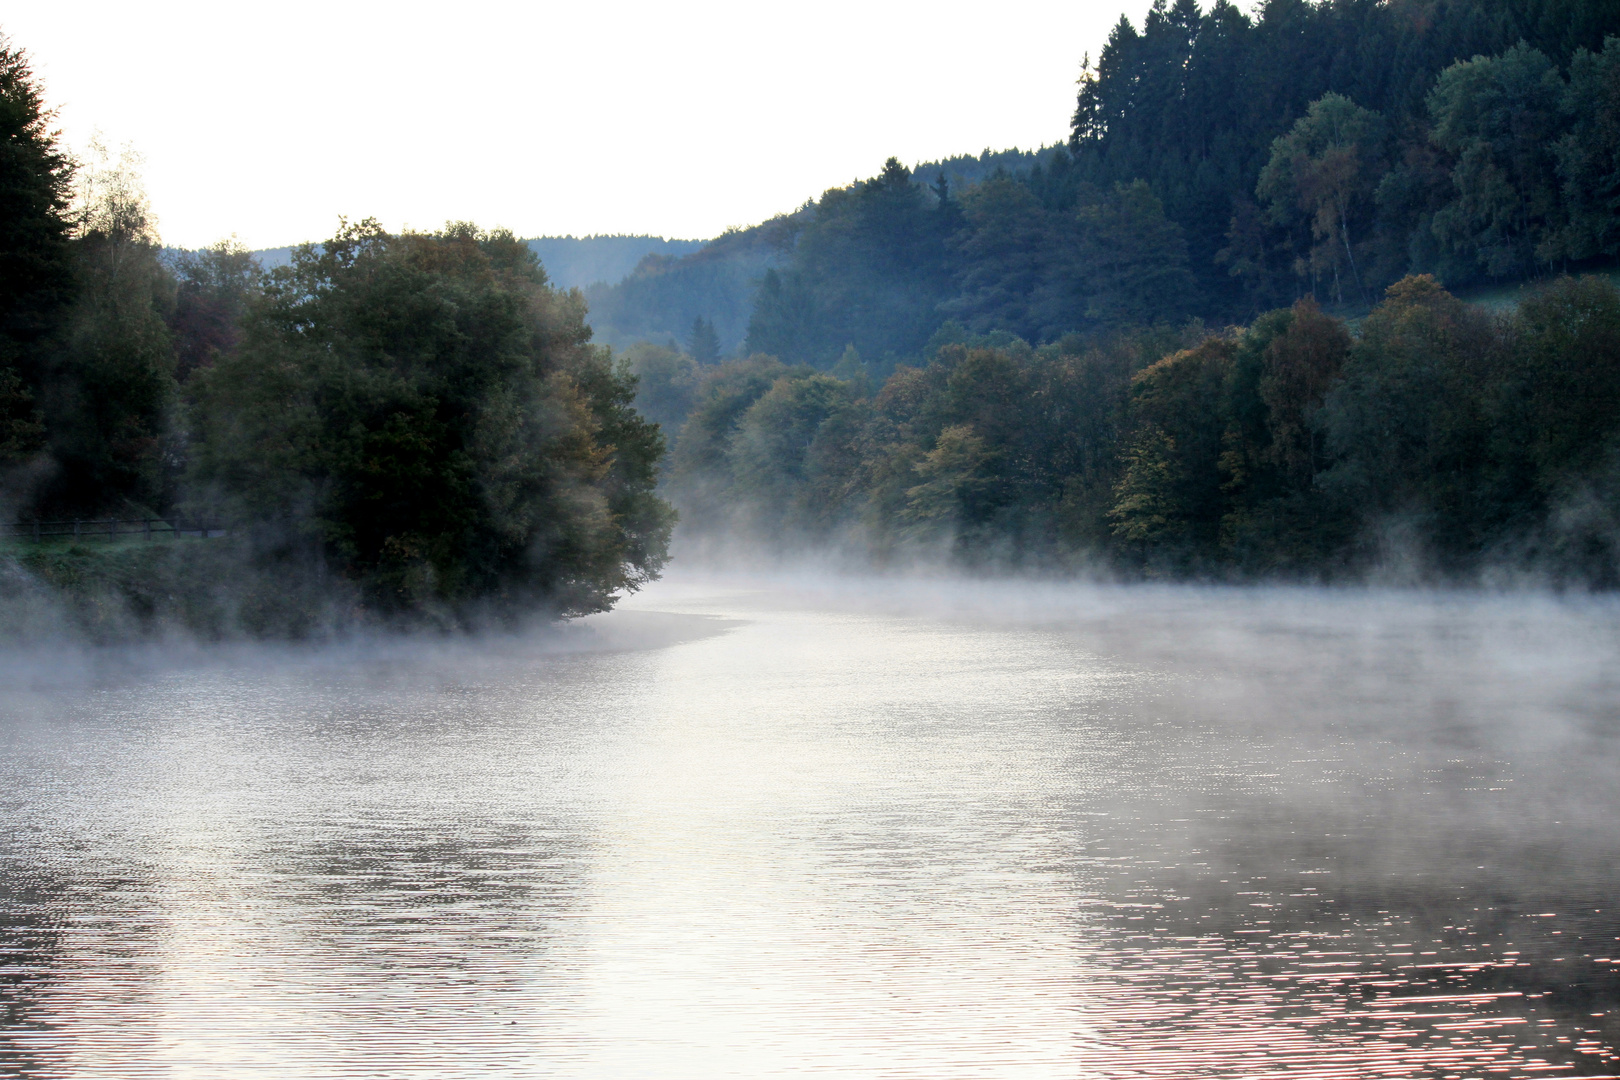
[
  {"x": 570, "y": 261},
  {"x": 578, "y": 262},
  {"x": 680, "y": 284},
  {"x": 660, "y": 298}
]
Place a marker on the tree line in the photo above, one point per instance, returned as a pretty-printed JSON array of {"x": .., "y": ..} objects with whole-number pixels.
[
  {"x": 419, "y": 416},
  {"x": 1216, "y": 336},
  {"x": 1435, "y": 436}
]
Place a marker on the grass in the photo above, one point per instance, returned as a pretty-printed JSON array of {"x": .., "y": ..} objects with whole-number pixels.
[{"x": 133, "y": 589}]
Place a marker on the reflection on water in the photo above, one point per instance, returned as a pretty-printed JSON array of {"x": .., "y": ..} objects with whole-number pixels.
[{"x": 861, "y": 829}]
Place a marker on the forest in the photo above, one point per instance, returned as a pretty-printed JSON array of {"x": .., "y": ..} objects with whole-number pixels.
[
  {"x": 1436, "y": 441},
  {"x": 1222, "y": 330},
  {"x": 1221, "y": 335}
]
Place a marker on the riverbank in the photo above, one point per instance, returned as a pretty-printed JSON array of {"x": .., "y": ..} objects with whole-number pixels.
[{"x": 132, "y": 590}]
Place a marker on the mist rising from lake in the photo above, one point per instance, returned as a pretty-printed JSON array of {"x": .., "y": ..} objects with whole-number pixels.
[{"x": 855, "y": 827}]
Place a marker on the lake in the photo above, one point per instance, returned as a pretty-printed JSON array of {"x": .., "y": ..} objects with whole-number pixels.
[{"x": 789, "y": 825}]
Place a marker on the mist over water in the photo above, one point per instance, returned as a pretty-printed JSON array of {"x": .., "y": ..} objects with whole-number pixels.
[{"x": 779, "y": 825}]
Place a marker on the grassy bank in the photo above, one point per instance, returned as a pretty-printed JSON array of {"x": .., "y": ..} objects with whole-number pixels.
[{"x": 124, "y": 590}]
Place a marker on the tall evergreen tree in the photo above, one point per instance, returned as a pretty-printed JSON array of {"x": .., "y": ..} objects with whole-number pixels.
[{"x": 36, "y": 273}]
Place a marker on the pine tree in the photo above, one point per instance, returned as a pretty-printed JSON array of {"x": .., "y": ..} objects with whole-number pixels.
[{"x": 36, "y": 274}]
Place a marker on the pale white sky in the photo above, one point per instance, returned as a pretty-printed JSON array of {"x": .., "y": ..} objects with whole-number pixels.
[{"x": 269, "y": 120}]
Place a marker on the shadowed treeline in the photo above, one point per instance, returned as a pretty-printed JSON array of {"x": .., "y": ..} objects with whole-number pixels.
[{"x": 1437, "y": 439}]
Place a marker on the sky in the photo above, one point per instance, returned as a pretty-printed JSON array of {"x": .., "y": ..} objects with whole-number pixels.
[{"x": 270, "y": 121}]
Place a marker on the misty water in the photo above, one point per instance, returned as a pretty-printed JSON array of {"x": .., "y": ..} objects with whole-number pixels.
[{"x": 757, "y": 827}]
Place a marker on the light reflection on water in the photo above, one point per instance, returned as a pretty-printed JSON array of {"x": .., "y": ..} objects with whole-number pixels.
[{"x": 885, "y": 830}]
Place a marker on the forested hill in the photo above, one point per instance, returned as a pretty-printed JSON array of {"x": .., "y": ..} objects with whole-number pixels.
[
  {"x": 1218, "y": 335},
  {"x": 666, "y": 296},
  {"x": 1393, "y": 161},
  {"x": 1218, "y": 165},
  {"x": 581, "y": 261}
]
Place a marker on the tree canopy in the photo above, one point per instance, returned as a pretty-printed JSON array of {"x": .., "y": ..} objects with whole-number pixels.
[{"x": 431, "y": 414}]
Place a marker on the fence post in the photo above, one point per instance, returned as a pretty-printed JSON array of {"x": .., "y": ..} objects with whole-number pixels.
[
  {"x": 112, "y": 529},
  {"x": 36, "y": 530},
  {"x": 75, "y": 528},
  {"x": 148, "y": 524}
]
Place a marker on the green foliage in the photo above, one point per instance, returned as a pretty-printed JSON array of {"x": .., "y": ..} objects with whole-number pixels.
[
  {"x": 1171, "y": 489},
  {"x": 1496, "y": 117},
  {"x": 868, "y": 269},
  {"x": 777, "y": 453},
  {"x": 665, "y": 294},
  {"x": 1005, "y": 356},
  {"x": 108, "y": 388},
  {"x": 1111, "y": 261},
  {"x": 853, "y": 370},
  {"x": 703, "y": 343},
  {"x": 1014, "y": 263},
  {"x": 1131, "y": 262},
  {"x": 700, "y": 468},
  {"x": 21, "y": 432},
  {"x": 982, "y": 444},
  {"x": 1219, "y": 164},
  {"x": 36, "y": 274},
  {"x": 1406, "y": 425},
  {"x": 427, "y": 411},
  {"x": 666, "y": 384},
  {"x": 1589, "y": 154},
  {"x": 209, "y": 588},
  {"x": 1147, "y": 511},
  {"x": 1292, "y": 446},
  {"x": 213, "y": 289},
  {"x": 1301, "y": 364},
  {"x": 416, "y": 423},
  {"x": 1325, "y": 169},
  {"x": 36, "y": 271},
  {"x": 1560, "y": 401},
  {"x": 954, "y": 478}
]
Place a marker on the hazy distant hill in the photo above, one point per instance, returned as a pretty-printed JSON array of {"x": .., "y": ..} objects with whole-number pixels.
[
  {"x": 580, "y": 261},
  {"x": 571, "y": 261},
  {"x": 651, "y": 288},
  {"x": 662, "y": 296}
]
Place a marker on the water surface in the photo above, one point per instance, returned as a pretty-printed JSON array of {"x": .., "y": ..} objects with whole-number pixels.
[{"x": 856, "y": 828}]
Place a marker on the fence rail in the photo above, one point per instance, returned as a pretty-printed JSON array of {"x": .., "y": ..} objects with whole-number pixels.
[{"x": 111, "y": 529}]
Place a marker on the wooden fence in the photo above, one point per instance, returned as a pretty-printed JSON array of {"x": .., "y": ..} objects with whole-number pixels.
[{"x": 111, "y": 529}]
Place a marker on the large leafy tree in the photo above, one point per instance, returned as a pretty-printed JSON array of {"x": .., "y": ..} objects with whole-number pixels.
[
  {"x": 1407, "y": 424},
  {"x": 213, "y": 288},
  {"x": 1300, "y": 365},
  {"x": 1500, "y": 117},
  {"x": 1326, "y": 168},
  {"x": 108, "y": 389},
  {"x": 1589, "y": 154},
  {"x": 777, "y": 454},
  {"x": 431, "y": 415},
  {"x": 1170, "y": 492}
]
